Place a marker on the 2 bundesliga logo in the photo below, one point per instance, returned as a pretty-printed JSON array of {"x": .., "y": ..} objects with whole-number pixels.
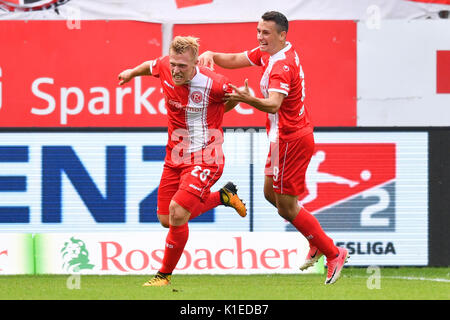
[
  {"x": 30, "y": 5},
  {"x": 351, "y": 187}
]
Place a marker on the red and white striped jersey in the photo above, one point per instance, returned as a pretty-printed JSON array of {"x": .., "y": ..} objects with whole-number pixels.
[
  {"x": 283, "y": 73},
  {"x": 195, "y": 110}
]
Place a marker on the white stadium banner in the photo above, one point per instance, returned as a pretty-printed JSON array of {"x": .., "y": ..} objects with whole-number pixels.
[
  {"x": 400, "y": 73},
  {"x": 214, "y": 11},
  {"x": 142, "y": 253}
]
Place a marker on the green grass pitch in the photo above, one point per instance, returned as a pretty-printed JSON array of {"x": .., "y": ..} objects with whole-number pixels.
[{"x": 405, "y": 283}]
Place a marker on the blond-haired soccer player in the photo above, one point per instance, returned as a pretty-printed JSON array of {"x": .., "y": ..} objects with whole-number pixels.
[
  {"x": 289, "y": 128},
  {"x": 194, "y": 159}
]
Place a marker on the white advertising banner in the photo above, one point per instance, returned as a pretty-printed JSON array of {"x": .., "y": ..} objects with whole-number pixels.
[
  {"x": 142, "y": 253},
  {"x": 369, "y": 190},
  {"x": 16, "y": 254},
  {"x": 403, "y": 73}
]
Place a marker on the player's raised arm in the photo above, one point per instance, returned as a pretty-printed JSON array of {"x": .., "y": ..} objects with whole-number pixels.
[
  {"x": 141, "y": 70},
  {"x": 224, "y": 60},
  {"x": 229, "y": 105}
]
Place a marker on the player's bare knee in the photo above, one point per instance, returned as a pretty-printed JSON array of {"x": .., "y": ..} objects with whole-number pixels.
[
  {"x": 177, "y": 214},
  {"x": 164, "y": 220},
  {"x": 283, "y": 213},
  {"x": 287, "y": 210}
]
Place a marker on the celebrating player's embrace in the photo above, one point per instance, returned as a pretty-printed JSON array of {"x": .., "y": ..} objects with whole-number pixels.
[
  {"x": 195, "y": 107},
  {"x": 289, "y": 129},
  {"x": 196, "y": 98}
]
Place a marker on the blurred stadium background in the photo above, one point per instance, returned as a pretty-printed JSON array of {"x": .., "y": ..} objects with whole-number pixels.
[{"x": 81, "y": 157}]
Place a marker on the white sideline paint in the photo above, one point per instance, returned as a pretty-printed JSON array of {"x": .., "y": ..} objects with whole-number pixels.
[
  {"x": 420, "y": 278},
  {"x": 405, "y": 278}
]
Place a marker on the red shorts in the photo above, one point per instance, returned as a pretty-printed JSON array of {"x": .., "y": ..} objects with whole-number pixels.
[
  {"x": 287, "y": 163},
  {"x": 187, "y": 185}
]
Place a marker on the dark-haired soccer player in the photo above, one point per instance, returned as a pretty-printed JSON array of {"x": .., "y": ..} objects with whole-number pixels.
[{"x": 289, "y": 129}]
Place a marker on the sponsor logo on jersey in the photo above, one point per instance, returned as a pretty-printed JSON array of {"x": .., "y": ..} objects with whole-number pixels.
[
  {"x": 176, "y": 104},
  {"x": 284, "y": 86}
]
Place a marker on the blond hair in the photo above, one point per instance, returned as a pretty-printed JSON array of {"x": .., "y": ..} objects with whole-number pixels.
[{"x": 180, "y": 44}]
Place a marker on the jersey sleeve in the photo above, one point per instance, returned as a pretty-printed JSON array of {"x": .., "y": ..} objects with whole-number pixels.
[
  {"x": 221, "y": 86},
  {"x": 280, "y": 79},
  {"x": 254, "y": 56},
  {"x": 157, "y": 65},
  {"x": 226, "y": 88}
]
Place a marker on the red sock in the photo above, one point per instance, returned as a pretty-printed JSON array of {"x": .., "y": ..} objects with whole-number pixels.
[
  {"x": 175, "y": 242},
  {"x": 210, "y": 203},
  {"x": 310, "y": 227}
]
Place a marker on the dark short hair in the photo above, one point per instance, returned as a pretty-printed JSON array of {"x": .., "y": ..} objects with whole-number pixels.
[{"x": 280, "y": 20}]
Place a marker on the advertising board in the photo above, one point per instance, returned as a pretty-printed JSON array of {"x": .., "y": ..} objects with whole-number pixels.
[{"x": 369, "y": 190}]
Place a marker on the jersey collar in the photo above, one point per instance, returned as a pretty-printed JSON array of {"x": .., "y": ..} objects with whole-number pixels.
[
  {"x": 280, "y": 54},
  {"x": 193, "y": 80}
]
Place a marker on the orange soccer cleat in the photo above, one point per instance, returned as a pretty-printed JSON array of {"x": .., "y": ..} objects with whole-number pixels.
[
  {"x": 229, "y": 198},
  {"x": 159, "y": 280}
]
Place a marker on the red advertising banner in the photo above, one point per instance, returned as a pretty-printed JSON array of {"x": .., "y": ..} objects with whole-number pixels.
[
  {"x": 190, "y": 3},
  {"x": 443, "y": 71},
  {"x": 62, "y": 74},
  {"x": 433, "y": 1},
  {"x": 327, "y": 51}
]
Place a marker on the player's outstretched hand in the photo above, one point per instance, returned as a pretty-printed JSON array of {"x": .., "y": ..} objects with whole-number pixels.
[
  {"x": 206, "y": 59},
  {"x": 238, "y": 95},
  {"x": 125, "y": 76}
]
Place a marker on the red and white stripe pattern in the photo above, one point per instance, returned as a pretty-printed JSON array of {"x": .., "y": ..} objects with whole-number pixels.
[
  {"x": 197, "y": 111},
  {"x": 264, "y": 84}
]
